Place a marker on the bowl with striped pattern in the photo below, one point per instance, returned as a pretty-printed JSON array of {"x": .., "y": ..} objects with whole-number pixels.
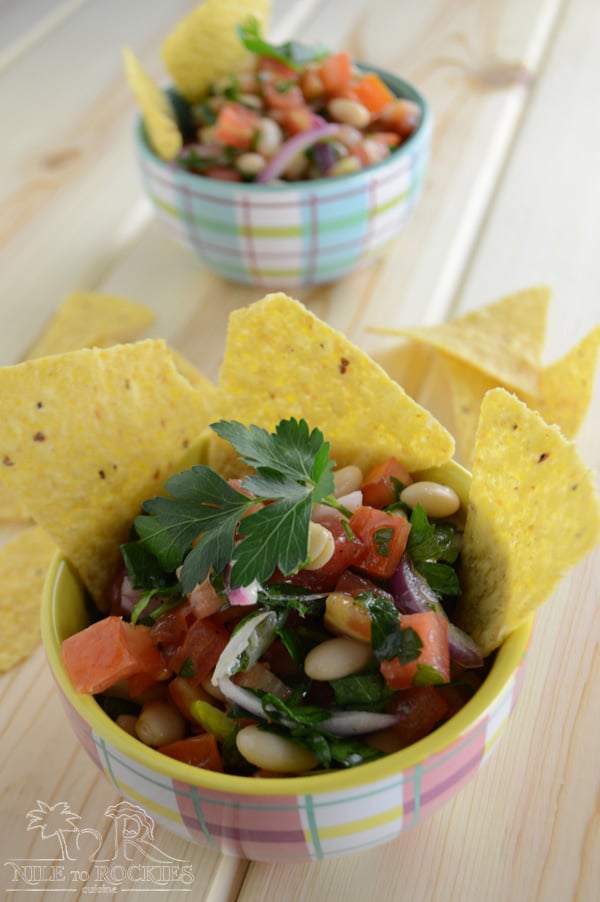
[{"x": 291, "y": 234}]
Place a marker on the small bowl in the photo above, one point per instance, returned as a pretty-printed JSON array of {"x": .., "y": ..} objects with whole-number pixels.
[
  {"x": 294, "y": 234},
  {"x": 288, "y": 818}
]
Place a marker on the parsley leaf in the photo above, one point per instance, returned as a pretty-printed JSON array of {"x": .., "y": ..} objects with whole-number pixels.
[
  {"x": 430, "y": 541},
  {"x": 388, "y": 638},
  {"x": 291, "y": 53},
  {"x": 205, "y": 523}
]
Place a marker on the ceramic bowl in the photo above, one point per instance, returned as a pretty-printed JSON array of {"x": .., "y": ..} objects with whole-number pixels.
[
  {"x": 288, "y": 818},
  {"x": 294, "y": 234}
]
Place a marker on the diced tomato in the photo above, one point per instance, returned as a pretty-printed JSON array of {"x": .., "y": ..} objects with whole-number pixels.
[
  {"x": 236, "y": 125},
  {"x": 372, "y": 92},
  {"x": 433, "y": 632},
  {"x": 380, "y": 485},
  {"x": 182, "y": 694},
  {"x": 222, "y": 173},
  {"x": 382, "y": 538},
  {"x": 351, "y": 583},
  {"x": 270, "y": 67},
  {"x": 324, "y": 578},
  {"x": 283, "y": 95},
  {"x": 335, "y": 72},
  {"x": 200, "y": 650},
  {"x": 205, "y": 600},
  {"x": 108, "y": 651},
  {"x": 200, "y": 750},
  {"x": 421, "y": 708},
  {"x": 170, "y": 629},
  {"x": 296, "y": 119}
]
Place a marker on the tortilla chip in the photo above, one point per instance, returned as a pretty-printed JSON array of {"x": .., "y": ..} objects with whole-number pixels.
[
  {"x": 12, "y": 510},
  {"x": 205, "y": 46},
  {"x": 566, "y": 386},
  {"x": 88, "y": 319},
  {"x": 193, "y": 375},
  {"x": 90, "y": 434},
  {"x": 161, "y": 126},
  {"x": 532, "y": 515},
  {"x": 566, "y": 389},
  {"x": 503, "y": 340},
  {"x": 23, "y": 565},
  {"x": 468, "y": 388},
  {"x": 281, "y": 361}
]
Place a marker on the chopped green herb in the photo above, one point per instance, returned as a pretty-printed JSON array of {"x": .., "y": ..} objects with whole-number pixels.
[
  {"x": 383, "y": 536},
  {"x": 362, "y": 691},
  {"x": 198, "y": 524},
  {"x": 388, "y": 639},
  {"x": 291, "y": 53},
  {"x": 187, "y": 670}
]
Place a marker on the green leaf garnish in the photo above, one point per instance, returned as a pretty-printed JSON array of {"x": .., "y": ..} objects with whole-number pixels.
[
  {"x": 205, "y": 523},
  {"x": 388, "y": 638},
  {"x": 291, "y": 53}
]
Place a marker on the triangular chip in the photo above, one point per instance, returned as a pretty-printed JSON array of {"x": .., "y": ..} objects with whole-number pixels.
[
  {"x": 468, "y": 388},
  {"x": 566, "y": 388},
  {"x": 11, "y": 508},
  {"x": 87, "y": 436},
  {"x": 567, "y": 385},
  {"x": 503, "y": 340},
  {"x": 88, "y": 319},
  {"x": 533, "y": 514},
  {"x": 204, "y": 45},
  {"x": 193, "y": 375},
  {"x": 23, "y": 564},
  {"x": 282, "y": 361},
  {"x": 159, "y": 119}
]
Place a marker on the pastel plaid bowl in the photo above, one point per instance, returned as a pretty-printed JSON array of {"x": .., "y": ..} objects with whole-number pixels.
[
  {"x": 288, "y": 818},
  {"x": 298, "y": 233}
]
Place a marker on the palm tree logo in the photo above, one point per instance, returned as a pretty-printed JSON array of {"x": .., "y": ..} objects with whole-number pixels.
[{"x": 54, "y": 820}]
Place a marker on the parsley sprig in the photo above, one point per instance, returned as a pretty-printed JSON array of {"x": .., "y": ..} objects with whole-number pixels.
[
  {"x": 291, "y": 53},
  {"x": 206, "y": 524}
]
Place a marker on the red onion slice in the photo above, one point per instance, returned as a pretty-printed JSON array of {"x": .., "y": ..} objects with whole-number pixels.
[
  {"x": 413, "y": 594},
  {"x": 301, "y": 141}
]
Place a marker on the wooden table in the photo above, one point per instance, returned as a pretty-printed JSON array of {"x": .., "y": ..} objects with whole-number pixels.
[{"x": 512, "y": 200}]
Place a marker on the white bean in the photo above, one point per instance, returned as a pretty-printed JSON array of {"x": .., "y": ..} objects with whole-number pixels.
[
  {"x": 347, "y": 479},
  {"x": 268, "y": 137},
  {"x": 349, "y": 112},
  {"x": 159, "y": 723},
  {"x": 321, "y": 546},
  {"x": 336, "y": 658},
  {"x": 250, "y": 164},
  {"x": 272, "y": 752},
  {"x": 437, "y": 500}
]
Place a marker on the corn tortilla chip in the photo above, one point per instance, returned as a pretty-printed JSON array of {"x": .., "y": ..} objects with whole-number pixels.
[
  {"x": 532, "y": 515},
  {"x": 159, "y": 119},
  {"x": 503, "y": 340},
  {"x": 566, "y": 386},
  {"x": 566, "y": 389},
  {"x": 204, "y": 45},
  {"x": 12, "y": 510},
  {"x": 23, "y": 564},
  {"x": 193, "y": 375},
  {"x": 88, "y": 319},
  {"x": 90, "y": 434},
  {"x": 281, "y": 361}
]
